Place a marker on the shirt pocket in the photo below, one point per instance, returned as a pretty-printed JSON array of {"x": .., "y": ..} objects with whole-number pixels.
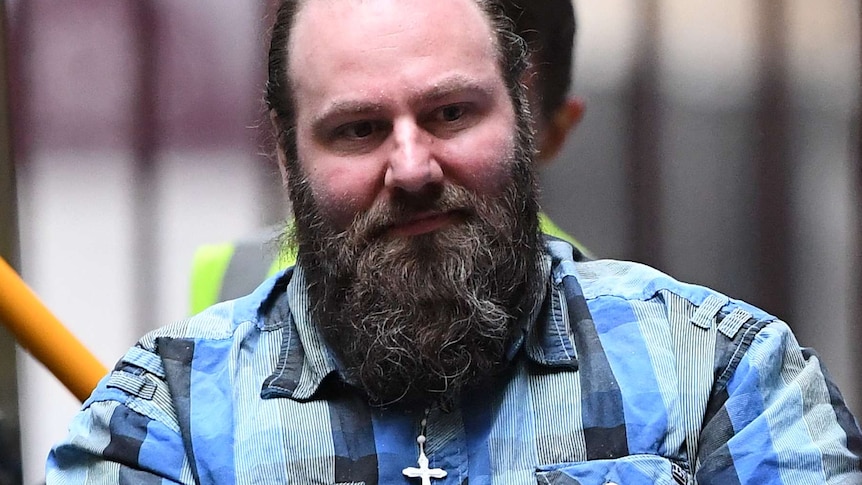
[{"x": 629, "y": 470}]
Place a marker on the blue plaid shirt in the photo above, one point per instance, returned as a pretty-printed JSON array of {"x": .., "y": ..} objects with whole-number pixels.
[{"x": 623, "y": 376}]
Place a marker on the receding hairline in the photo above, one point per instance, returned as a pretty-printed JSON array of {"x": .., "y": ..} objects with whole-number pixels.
[{"x": 300, "y": 7}]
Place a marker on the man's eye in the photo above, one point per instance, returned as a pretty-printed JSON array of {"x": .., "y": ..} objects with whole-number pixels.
[
  {"x": 358, "y": 130},
  {"x": 451, "y": 113},
  {"x": 357, "y": 136}
]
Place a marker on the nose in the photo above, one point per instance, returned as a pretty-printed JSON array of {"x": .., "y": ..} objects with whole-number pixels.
[{"x": 412, "y": 165}]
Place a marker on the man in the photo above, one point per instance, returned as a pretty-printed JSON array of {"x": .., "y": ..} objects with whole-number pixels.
[
  {"x": 429, "y": 333},
  {"x": 229, "y": 270}
]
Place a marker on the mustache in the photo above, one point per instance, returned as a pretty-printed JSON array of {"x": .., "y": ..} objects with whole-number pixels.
[{"x": 406, "y": 206}]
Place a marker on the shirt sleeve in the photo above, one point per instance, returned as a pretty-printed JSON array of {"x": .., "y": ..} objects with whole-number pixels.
[
  {"x": 776, "y": 417},
  {"x": 125, "y": 434}
]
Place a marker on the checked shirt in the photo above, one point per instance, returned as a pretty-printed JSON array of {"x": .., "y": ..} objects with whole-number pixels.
[{"x": 623, "y": 375}]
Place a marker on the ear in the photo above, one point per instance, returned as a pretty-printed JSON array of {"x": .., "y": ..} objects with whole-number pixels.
[
  {"x": 561, "y": 123},
  {"x": 279, "y": 149}
]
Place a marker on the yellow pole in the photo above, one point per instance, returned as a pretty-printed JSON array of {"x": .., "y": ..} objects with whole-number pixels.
[{"x": 39, "y": 331}]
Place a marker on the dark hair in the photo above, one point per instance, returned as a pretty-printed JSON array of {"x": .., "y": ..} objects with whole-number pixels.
[
  {"x": 511, "y": 50},
  {"x": 548, "y": 27}
]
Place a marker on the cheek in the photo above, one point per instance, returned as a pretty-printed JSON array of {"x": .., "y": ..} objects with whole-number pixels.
[
  {"x": 484, "y": 163},
  {"x": 341, "y": 191},
  {"x": 341, "y": 188}
]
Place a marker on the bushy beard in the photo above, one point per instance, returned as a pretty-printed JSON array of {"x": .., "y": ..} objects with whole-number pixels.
[{"x": 418, "y": 318}]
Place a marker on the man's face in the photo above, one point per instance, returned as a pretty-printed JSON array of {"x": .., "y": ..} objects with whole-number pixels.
[
  {"x": 398, "y": 97},
  {"x": 416, "y": 216}
]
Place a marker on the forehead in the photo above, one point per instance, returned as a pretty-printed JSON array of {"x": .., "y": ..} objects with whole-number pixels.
[
  {"x": 364, "y": 40},
  {"x": 356, "y": 20}
]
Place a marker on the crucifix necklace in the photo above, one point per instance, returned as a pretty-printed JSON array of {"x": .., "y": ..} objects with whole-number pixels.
[{"x": 423, "y": 472}]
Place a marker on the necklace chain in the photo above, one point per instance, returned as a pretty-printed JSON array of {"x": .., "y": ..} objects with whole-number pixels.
[{"x": 423, "y": 472}]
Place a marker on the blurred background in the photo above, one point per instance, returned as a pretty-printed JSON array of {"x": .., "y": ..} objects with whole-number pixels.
[{"x": 721, "y": 144}]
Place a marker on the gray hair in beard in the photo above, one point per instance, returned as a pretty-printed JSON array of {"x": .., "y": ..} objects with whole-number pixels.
[
  {"x": 418, "y": 318},
  {"x": 414, "y": 319}
]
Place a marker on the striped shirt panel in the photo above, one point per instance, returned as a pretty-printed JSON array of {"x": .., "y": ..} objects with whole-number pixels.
[
  {"x": 626, "y": 376},
  {"x": 694, "y": 335},
  {"x": 512, "y": 440}
]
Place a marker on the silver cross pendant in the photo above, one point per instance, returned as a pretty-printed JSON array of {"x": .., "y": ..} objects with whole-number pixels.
[{"x": 423, "y": 472}]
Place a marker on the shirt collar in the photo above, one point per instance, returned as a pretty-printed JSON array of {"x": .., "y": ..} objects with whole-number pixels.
[
  {"x": 549, "y": 341},
  {"x": 305, "y": 362}
]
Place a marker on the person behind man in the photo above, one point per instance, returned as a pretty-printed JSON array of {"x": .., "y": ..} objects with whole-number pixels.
[
  {"x": 429, "y": 333},
  {"x": 229, "y": 270}
]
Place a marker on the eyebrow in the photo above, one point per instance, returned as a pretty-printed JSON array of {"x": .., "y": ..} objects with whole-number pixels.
[
  {"x": 456, "y": 84},
  {"x": 350, "y": 106},
  {"x": 344, "y": 108}
]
